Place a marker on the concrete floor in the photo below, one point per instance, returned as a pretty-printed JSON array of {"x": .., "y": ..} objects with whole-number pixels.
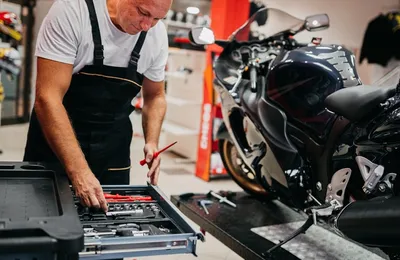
[{"x": 12, "y": 142}]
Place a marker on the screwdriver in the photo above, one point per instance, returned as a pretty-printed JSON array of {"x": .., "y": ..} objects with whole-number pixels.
[{"x": 143, "y": 162}]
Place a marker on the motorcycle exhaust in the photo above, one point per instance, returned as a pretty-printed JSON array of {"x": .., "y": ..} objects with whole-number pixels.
[{"x": 373, "y": 222}]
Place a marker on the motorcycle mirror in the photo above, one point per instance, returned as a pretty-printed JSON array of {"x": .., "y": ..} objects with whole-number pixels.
[
  {"x": 316, "y": 22},
  {"x": 201, "y": 36}
]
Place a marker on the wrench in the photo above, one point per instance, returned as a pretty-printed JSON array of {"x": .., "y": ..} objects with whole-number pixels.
[
  {"x": 123, "y": 213},
  {"x": 223, "y": 199},
  {"x": 203, "y": 203}
]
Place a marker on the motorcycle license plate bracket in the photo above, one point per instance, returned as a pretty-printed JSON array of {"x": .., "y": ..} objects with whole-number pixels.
[{"x": 165, "y": 234}]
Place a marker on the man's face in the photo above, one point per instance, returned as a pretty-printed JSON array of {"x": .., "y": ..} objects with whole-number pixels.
[{"x": 135, "y": 16}]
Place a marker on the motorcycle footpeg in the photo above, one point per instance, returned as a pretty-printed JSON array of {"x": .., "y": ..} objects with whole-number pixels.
[
  {"x": 337, "y": 188},
  {"x": 325, "y": 210}
]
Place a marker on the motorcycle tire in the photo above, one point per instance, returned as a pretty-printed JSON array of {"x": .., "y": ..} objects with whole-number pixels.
[{"x": 237, "y": 171}]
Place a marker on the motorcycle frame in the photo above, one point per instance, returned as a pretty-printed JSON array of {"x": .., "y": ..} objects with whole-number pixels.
[{"x": 319, "y": 154}]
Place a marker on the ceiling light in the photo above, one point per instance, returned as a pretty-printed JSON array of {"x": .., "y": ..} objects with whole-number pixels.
[{"x": 193, "y": 10}]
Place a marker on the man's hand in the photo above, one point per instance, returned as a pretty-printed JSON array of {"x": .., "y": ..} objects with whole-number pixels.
[
  {"x": 153, "y": 163},
  {"x": 88, "y": 189}
]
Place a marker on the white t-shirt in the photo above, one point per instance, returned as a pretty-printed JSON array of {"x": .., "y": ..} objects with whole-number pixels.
[{"x": 66, "y": 36}]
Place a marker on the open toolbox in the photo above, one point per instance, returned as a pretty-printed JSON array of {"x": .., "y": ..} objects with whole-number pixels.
[
  {"x": 40, "y": 218},
  {"x": 141, "y": 221}
]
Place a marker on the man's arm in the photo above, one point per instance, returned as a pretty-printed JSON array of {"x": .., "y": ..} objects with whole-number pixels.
[
  {"x": 53, "y": 80},
  {"x": 154, "y": 108},
  {"x": 153, "y": 112}
]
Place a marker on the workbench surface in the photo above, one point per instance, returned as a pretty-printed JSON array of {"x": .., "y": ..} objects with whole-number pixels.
[
  {"x": 232, "y": 225},
  {"x": 249, "y": 229}
]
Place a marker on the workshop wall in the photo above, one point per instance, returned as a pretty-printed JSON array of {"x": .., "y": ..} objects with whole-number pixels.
[{"x": 348, "y": 22}]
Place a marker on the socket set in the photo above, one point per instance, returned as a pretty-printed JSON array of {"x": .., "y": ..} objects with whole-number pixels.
[
  {"x": 125, "y": 230},
  {"x": 120, "y": 211},
  {"x": 137, "y": 218}
]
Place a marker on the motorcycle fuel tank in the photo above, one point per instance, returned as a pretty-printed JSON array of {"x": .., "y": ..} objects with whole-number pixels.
[{"x": 300, "y": 80}]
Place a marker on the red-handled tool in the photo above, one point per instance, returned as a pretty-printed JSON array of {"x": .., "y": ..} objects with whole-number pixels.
[
  {"x": 122, "y": 198},
  {"x": 143, "y": 162}
]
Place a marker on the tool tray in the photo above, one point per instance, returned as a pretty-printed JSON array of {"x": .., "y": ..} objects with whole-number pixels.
[
  {"x": 147, "y": 225},
  {"x": 40, "y": 218},
  {"x": 37, "y": 213}
]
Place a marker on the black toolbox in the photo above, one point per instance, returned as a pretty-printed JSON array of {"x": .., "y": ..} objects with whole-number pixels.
[{"x": 40, "y": 218}]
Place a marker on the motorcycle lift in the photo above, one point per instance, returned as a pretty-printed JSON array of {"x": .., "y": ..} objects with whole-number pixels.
[{"x": 251, "y": 227}]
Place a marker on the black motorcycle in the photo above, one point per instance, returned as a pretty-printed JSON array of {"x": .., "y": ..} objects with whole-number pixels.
[{"x": 299, "y": 125}]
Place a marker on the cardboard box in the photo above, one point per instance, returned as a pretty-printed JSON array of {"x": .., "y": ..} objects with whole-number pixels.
[
  {"x": 184, "y": 113},
  {"x": 179, "y": 58},
  {"x": 185, "y": 86},
  {"x": 187, "y": 140}
]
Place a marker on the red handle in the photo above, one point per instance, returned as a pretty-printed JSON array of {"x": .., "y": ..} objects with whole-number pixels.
[
  {"x": 117, "y": 197},
  {"x": 143, "y": 162}
]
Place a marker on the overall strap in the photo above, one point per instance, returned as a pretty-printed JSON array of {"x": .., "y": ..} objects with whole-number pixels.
[
  {"x": 98, "y": 55},
  {"x": 135, "y": 55}
]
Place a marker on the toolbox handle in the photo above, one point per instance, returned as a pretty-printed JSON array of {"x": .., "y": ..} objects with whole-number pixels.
[{"x": 27, "y": 244}]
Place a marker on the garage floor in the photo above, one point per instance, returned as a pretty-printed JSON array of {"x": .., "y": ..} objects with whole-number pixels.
[{"x": 175, "y": 178}]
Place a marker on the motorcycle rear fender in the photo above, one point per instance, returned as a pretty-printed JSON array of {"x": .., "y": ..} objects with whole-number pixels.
[{"x": 223, "y": 133}]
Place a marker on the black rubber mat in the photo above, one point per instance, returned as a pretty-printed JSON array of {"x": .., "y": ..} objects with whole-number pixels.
[{"x": 25, "y": 198}]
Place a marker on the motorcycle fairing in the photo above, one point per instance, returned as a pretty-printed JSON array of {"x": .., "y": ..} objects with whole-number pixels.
[{"x": 300, "y": 80}]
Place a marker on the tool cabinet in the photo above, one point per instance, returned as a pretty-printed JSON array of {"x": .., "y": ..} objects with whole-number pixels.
[{"x": 40, "y": 218}]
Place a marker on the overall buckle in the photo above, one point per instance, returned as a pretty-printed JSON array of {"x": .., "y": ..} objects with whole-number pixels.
[
  {"x": 98, "y": 53},
  {"x": 134, "y": 58}
]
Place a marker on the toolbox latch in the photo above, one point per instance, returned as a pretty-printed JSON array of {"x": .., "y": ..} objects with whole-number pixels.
[
  {"x": 201, "y": 237},
  {"x": 93, "y": 248}
]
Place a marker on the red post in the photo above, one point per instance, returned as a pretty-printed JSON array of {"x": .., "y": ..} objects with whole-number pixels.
[{"x": 226, "y": 17}]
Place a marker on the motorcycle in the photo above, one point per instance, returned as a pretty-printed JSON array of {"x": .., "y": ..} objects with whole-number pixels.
[{"x": 300, "y": 126}]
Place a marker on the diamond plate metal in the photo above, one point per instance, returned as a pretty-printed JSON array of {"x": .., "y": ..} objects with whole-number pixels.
[{"x": 316, "y": 243}]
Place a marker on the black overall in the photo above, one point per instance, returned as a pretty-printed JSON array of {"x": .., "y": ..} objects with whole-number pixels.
[{"x": 98, "y": 103}]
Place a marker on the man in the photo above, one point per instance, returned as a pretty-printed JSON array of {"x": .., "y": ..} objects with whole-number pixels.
[{"x": 93, "y": 58}]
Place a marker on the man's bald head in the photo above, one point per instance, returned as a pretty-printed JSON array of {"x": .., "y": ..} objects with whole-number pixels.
[{"x": 134, "y": 16}]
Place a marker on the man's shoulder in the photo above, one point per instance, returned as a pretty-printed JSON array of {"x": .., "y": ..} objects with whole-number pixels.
[
  {"x": 70, "y": 7},
  {"x": 73, "y": 3}
]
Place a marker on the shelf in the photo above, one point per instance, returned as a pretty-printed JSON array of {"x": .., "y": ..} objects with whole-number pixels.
[
  {"x": 177, "y": 129},
  {"x": 182, "y": 102},
  {"x": 178, "y": 74},
  {"x": 174, "y": 50},
  {"x": 179, "y": 25},
  {"x": 186, "y": 139}
]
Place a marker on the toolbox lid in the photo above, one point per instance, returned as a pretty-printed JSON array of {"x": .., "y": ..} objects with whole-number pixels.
[{"x": 37, "y": 211}]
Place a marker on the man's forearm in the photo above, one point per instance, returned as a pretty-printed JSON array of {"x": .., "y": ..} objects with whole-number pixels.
[
  {"x": 60, "y": 135},
  {"x": 153, "y": 113}
]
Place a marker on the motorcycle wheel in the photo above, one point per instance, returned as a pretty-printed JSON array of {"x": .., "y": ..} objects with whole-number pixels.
[{"x": 238, "y": 170}]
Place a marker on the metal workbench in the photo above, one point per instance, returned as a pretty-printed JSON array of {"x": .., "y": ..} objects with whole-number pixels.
[{"x": 255, "y": 226}]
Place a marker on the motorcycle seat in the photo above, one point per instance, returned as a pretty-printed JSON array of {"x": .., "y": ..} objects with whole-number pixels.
[{"x": 355, "y": 103}]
